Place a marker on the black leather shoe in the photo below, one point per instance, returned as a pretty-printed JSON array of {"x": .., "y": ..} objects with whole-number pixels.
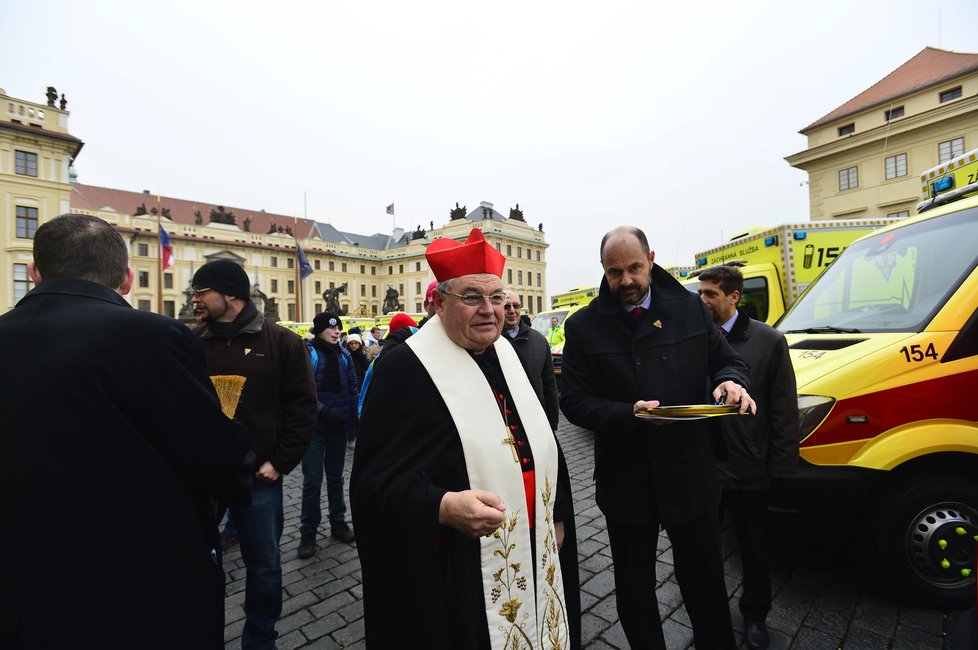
[
  {"x": 307, "y": 548},
  {"x": 343, "y": 533},
  {"x": 755, "y": 635}
]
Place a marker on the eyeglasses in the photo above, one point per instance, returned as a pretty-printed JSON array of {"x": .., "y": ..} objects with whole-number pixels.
[
  {"x": 476, "y": 299},
  {"x": 514, "y": 306},
  {"x": 197, "y": 293}
]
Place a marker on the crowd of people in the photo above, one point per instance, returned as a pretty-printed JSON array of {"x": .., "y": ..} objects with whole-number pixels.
[{"x": 462, "y": 512}]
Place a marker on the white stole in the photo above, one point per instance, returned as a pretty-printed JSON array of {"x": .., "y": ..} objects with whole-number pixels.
[{"x": 509, "y": 589}]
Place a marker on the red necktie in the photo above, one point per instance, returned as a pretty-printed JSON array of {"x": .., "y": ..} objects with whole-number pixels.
[{"x": 638, "y": 311}]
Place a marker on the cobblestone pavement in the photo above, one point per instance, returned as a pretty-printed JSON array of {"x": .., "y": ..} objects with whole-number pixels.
[{"x": 820, "y": 600}]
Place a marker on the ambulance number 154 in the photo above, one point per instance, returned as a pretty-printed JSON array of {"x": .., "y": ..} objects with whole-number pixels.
[{"x": 917, "y": 353}]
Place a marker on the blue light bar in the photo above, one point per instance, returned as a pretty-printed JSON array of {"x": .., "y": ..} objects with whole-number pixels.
[
  {"x": 942, "y": 184},
  {"x": 801, "y": 234},
  {"x": 701, "y": 261},
  {"x": 683, "y": 274},
  {"x": 771, "y": 241}
]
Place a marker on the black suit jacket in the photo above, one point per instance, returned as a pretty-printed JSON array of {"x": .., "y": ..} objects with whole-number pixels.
[
  {"x": 112, "y": 439},
  {"x": 646, "y": 474}
]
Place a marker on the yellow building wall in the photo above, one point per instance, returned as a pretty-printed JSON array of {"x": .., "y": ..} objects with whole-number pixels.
[
  {"x": 926, "y": 123},
  {"x": 48, "y": 192}
]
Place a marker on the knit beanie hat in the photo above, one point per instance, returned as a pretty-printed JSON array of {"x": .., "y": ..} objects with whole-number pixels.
[
  {"x": 223, "y": 276},
  {"x": 399, "y": 321},
  {"x": 354, "y": 338},
  {"x": 324, "y": 320}
]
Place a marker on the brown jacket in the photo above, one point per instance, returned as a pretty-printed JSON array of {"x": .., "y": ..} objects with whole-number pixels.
[{"x": 278, "y": 404}]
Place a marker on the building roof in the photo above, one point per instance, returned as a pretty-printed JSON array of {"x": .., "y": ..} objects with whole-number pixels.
[
  {"x": 91, "y": 197},
  {"x": 37, "y": 130},
  {"x": 929, "y": 67},
  {"x": 376, "y": 241},
  {"x": 484, "y": 211}
]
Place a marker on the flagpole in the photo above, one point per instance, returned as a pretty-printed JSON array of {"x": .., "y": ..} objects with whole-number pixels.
[
  {"x": 159, "y": 252},
  {"x": 298, "y": 280}
]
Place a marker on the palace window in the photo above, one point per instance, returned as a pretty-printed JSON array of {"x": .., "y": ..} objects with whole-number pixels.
[
  {"x": 894, "y": 113},
  {"x": 144, "y": 279},
  {"x": 949, "y": 149},
  {"x": 848, "y": 179},
  {"x": 847, "y": 129},
  {"x": 25, "y": 163},
  {"x": 22, "y": 281},
  {"x": 26, "y": 222},
  {"x": 896, "y": 166},
  {"x": 948, "y": 95}
]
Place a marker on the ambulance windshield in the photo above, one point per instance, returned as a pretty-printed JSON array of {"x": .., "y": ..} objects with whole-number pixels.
[{"x": 890, "y": 282}]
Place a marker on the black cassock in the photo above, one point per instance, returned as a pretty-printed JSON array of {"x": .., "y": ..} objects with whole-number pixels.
[{"x": 422, "y": 582}]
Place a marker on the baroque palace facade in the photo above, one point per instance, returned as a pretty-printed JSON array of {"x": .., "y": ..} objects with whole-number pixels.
[
  {"x": 865, "y": 158},
  {"x": 37, "y": 184}
]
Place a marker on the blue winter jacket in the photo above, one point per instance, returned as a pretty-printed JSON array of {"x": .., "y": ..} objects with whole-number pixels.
[{"x": 343, "y": 401}]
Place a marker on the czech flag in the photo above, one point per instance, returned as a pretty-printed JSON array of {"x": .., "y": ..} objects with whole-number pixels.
[{"x": 166, "y": 248}]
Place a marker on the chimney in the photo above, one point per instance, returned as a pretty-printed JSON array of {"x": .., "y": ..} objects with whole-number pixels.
[{"x": 398, "y": 234}]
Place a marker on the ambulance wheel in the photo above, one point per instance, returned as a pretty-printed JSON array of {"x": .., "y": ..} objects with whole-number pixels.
[{"x": 927, "y": 531}]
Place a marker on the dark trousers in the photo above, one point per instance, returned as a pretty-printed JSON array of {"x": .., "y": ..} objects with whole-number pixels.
[
  {"x": 260, "y": 526},
  {"x": 327, "y": 451},
  {"x": 699, "y": 572},
  {"x": 748, "y": 510}
]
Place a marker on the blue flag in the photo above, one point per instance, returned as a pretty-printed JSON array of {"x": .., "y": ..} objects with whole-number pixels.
[{"x": 305, "y": 268}]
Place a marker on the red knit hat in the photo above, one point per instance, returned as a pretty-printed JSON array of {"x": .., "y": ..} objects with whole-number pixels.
[
  {"x": 450, "y": 259},
  {"x": 399, "y": 321}
]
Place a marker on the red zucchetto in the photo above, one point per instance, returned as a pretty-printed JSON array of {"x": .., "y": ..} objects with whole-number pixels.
[{"x": 450, "y": 259}]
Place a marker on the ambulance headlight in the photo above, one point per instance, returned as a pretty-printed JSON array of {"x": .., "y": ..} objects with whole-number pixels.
[{"x": 812, "y": 410}]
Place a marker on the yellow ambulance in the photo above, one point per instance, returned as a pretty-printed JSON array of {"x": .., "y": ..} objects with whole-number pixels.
[
  {"x": 779, "y": 262},
  {"x": 562, "y": 305},
  {"x": 885, "y": 349}
]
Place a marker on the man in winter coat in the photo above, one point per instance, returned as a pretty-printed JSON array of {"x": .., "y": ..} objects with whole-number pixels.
[
  {"x": 758, "y": 448},
  {"x": 535, "y": 355},
  {"x": 277, "y": 405},
  {"x": 113, "y": 441},
  {"x": 336, "y": 388},
  {"x": 643, "y": 342}
]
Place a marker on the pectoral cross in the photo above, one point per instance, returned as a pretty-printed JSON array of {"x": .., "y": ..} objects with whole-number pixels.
[{"x": 511, "y": 441}]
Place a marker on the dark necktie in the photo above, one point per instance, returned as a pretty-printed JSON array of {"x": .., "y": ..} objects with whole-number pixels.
[
  {"x": 723, "y": 332},
  {"x": 638, "y": 311}
]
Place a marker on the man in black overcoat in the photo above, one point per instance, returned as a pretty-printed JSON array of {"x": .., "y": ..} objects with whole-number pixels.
[
  {"x": 757, "y": 448},
  {"x": 644, "y": 342},
  {"x": 112, "y": 440}
]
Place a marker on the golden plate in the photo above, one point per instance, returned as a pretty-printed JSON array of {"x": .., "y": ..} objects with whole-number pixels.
[{"x": 689, "y": 412}]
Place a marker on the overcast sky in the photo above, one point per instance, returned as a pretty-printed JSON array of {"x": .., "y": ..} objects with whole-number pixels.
[{"x": 675, "y": 118}]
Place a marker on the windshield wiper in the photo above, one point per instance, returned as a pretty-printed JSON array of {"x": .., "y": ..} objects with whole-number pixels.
[{"x": 827, "y": 329}]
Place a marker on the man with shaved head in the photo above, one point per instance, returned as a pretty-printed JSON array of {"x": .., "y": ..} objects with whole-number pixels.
[{"x": 645, "y": 342}]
